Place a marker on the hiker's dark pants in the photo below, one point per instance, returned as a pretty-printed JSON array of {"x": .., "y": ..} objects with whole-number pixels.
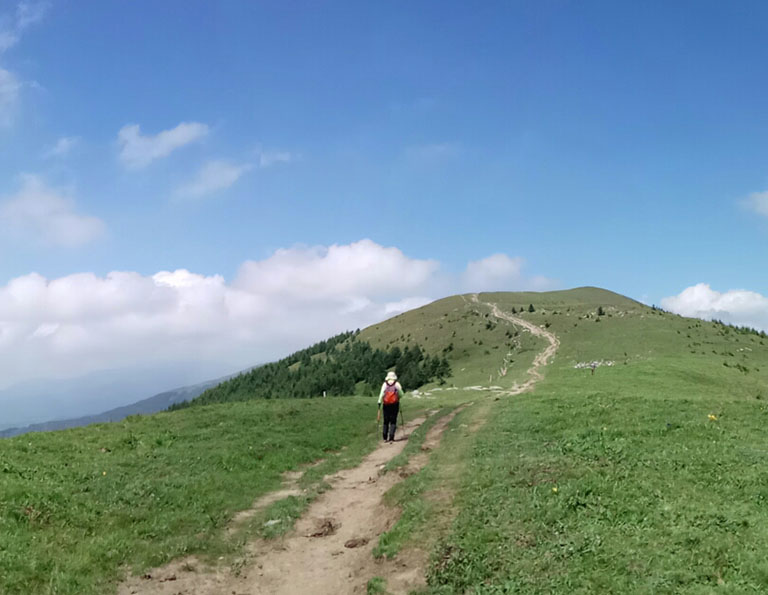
[{"x": 390, "y": 420}]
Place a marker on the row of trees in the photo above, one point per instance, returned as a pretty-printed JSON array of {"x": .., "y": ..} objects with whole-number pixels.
[
  {"x": 744, "y": 330},
  {"x": 342, "y": 365}
]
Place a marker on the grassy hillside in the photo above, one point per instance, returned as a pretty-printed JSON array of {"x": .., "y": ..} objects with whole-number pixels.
[
  {"x": 78, "y": 507},
  {"x": 661, "y": 350},
  {"x": 475, "y": 343},
  {"x": 645, "y": 477},
  {"x": 592, "y": 490}
]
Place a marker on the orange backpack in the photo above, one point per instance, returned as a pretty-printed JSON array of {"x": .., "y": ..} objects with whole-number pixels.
[{"x": 391, "y": 395}]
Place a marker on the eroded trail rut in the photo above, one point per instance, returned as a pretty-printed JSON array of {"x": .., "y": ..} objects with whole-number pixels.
[
  {"x": 348, "y": 518},
  {"x": 541, "y": 359}
]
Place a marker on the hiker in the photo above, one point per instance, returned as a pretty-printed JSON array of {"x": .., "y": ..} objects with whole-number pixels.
[
  {"x": 389, "y": 397},
  {"x": 593, "y": 365}
]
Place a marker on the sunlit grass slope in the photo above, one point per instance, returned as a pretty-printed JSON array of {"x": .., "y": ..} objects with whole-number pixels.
[
  {"x": 646, "y": 477},
  {"x": 475, "y": 343},
  {"x": 79, "y": 507},
  {"x": 661, "y": 350},
  {"x": 612, "y": 484}
]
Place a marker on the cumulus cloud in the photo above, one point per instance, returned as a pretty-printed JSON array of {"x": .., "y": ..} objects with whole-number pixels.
[
  {"x": 735, "y": 306},
  {"x": 137, "y": 150},
  {"x": 42, "y": 214},
  {"x": 500, "y": 272},
  {"x": 213, "y": 176},
  {"x": 362, "y": 268},
  {"x": 758, "y": 202},
  {"x": 83, "y": 322},
  {"x": 62, "y": 147}
]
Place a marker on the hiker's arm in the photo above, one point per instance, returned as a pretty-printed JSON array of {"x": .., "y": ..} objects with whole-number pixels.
[{"x": 381, "y": 394}]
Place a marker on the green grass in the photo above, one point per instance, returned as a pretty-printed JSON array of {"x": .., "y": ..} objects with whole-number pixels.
[
  {"x": 612, "y": 486},
  {"x": 424, "y": 497},
  {"x": 78, "y": 506},
  {"x": 376, "y": 586}
]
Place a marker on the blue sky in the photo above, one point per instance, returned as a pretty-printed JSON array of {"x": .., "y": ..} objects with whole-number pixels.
[{"x": 252, "y": 145}]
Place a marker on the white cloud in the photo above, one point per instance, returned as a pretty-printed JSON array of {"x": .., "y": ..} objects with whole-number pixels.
[
  {"x": 27, "y": 14},
  {"x": 214, "y": 175},
  {"x": 758, "y": 202},
  {"x": 364, "y": 267},
  {"x": 409, "y": 303},
  {"x": 270, "y": 158},
  {"x": 138, "y": 151},
  {"x": 44, "y": 215},
  {"x": 62, "y": 147},
  {"x": 11, "y": 30},
  {"x": 500, "y": 272},
  {"x": 8, "y": 39},
  {"x": 81, "y": 323},
  {"x": 736, "y": 306}
]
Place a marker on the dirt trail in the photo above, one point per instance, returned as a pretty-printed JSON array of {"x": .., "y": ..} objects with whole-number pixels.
[
  {"x": 541, "y": 359},
  {"x": 329, "y": 550},
  {"x": 406, "y": 572}
]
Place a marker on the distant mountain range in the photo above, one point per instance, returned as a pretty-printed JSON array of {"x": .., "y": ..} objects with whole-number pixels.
[{"x": 159, "y": 402}]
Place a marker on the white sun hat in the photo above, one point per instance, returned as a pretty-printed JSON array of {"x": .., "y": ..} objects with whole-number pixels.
[{"x": 391, "y": 376}]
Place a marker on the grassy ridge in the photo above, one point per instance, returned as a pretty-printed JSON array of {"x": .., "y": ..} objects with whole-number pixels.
[
  {"x": 475, "y": 343},
  {"x": 619, "y": 482},
  {"x": 630, "y": 333},
  {"x": 77, "y": 506}
]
